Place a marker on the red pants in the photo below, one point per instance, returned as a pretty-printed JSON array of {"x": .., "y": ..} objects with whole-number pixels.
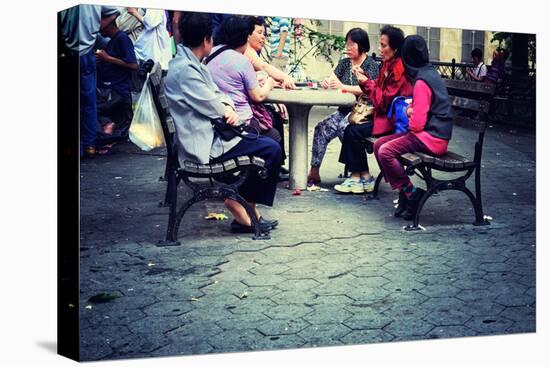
[{"x": 388, "y": 148}]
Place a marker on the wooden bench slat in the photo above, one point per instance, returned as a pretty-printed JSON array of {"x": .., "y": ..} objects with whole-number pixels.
[
  {"x": 470, "y": 104},
  {"x": 426, "y": 158},
  {"x": 258, "y": 161},
  {"x": 411, "y": 158},
  {"x": 467, "y": 86}
]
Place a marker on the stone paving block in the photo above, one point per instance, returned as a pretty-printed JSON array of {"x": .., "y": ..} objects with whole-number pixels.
[
  {"x": 482, "y": 308},
  {"x": 278, "y": 342},
  {"x": 138, "y": 345},
  {"x": 294, "y": 297},
  {"x": 298, "y": 285},
  {"x": 235, "y": 340},
  {"x": 183, "y": 347},
  {"x": 286, "y": 326},
  {"x": 262, "y": 280},
  {"x": 496, "y": 267},
  {"x": 439, "y": 290},
  {"x": 327, "y": 313},
  {"x": 247, "y": 305},
  {"x": 402, "y": 284},
  {"x": 367, "y": 336},
  {"x": 291, "y": 312},
  {"x": 408, "y": 326},
  {"x": 324, "y": 334},
  {"x": 367, "y": 320},
  {"x": 489, "y": 325},
  {"x": 275, "y": 255},
  {"x": 440, "y": 332},
  {"x": 275, "y": 269},
  {"x": 405, "y": 310},
  {"x": 448, "y": 317},
  {"x": 242, "y": 321},
  {"x": 471, "y": 283},
  {"x": 361, "y": 294},
  {"x": 96, "y": 343},
  {"x": 369, "y": 282},
  {"x": 368, "y": 271},
  {"x": 162, "y": 324},
  {"x": 167, "y": 308}
]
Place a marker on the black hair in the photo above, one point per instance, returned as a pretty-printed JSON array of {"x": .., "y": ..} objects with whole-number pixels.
[
  {"x": 255, "y": 21},
  {"x": 476, "y": 52},
  {"x": 395, "y": 36},
  {"x": 195, "y": 28},
  {"x": 359, "y": 36},
  {"x": 234, "y": 31}
]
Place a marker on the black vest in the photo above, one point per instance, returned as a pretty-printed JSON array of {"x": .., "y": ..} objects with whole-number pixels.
[{"x": 440, "y": 116}]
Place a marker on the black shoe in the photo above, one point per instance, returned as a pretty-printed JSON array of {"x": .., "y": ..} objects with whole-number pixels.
[
  {"x": 236, "y": 227},
  {"x": 283, "y": 177},
  {"x": 273, "y": 222},
  {"x": 412, "y": 204},
  {"x": 401, "y": 204},
  {"x": 284, "y": 171}
]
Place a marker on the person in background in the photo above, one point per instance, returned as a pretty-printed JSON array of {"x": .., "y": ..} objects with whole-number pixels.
[
  {"x": 127, "y": 23},
  {"x": 430, "y": 125},
  {"x": 154, "y": 41},
  {"x": 115, "y": 64},
  {"x": 278, "y": 113},
  {"x": 357, "y": 48},
  {"x": 194, "y": 99},
  {"x": 391, "y": 82},
  {"x": 496, "y": 71},
  {"x": 279, "y": 41},
  {"x": 79, "y": 29},
  {"x": 235, "y": 76},
  {"x": 479, "y": 71}
]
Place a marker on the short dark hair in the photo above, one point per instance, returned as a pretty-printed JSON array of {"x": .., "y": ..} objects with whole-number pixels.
[
  {"x": 195, "y": 28},
  {"x": 359, "y": 36},
  {"x": 476, "y": 52},
  {"x": 255, "y": 21},
  {"x": 234, "y": 31},
  {"x": 395, "y": 36}
]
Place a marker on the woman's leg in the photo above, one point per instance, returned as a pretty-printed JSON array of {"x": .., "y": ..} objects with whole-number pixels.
[
  {"x": 353, "y": 152},
  {"x": 381, "y": 141},
  {"x": 388, "y": 154},
  {"x": 324, "y": 132}
]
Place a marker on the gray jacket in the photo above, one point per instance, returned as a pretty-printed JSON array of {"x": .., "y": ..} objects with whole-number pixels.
[{"x": 193, "y": 100}]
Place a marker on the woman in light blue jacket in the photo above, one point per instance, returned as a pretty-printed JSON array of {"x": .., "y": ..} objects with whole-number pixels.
[{"x": 194, "y": 100}]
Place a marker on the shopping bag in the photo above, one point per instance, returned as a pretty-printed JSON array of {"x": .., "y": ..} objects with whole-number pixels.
[{"x": 145, "y": 129}]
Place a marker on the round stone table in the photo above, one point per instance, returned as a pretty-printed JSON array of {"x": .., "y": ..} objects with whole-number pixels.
[{"x": 298, "y": 103}]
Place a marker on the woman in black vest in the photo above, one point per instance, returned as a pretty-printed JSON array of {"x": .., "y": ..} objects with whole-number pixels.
[{"x": 430, "y": 125}]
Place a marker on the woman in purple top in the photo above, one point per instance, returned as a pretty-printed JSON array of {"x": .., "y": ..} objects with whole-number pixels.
[{"x": 234, "y": 74}]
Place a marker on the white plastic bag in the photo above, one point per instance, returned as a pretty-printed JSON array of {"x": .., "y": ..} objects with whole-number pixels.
[{"x": 145, "y": 129}]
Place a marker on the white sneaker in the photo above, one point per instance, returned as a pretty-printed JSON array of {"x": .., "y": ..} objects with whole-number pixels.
[
  {"x": 351, "y": 185},
  {"x": 369, "y": 184}
]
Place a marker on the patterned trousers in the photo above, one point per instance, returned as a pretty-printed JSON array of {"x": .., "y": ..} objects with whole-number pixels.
[{"x": 325, "y": 131}]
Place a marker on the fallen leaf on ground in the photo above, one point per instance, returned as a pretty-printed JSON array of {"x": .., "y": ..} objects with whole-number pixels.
[{"x": 216, "y": 216}]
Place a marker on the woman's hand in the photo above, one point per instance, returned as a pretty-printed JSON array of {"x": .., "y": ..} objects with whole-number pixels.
[
  {"x": 231, "y": 117},
  {"x": 132, "y": 11},
  {"x": 360, "y": 74},
  {"x": 325, "y": 83},
  {"x": 288, "y": 83},
  {"x": 334, "y": 83}
]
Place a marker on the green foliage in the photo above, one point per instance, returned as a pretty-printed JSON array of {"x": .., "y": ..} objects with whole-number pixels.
[{"x": 322, "y": 44}]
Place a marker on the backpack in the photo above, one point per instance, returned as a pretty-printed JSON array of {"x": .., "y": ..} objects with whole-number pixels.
[{"x": 398, "y": 110}]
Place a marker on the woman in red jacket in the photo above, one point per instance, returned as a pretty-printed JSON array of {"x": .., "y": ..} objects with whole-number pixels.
[
  {"x": 430, "y": 125},
  {"x": 391, "y": 82}
]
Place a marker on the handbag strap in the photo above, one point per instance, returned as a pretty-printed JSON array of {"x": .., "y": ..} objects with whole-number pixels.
[{"x": 216, "y": 53}]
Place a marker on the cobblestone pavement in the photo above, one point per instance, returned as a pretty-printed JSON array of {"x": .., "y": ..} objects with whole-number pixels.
[{"x": 338, "y": 270}]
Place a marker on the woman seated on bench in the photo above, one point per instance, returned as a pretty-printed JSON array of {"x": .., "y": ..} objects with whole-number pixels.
[
  {"x": 430, "y": 125},
  {"x": 391, "y": 82},
  {"x": 194, "y": 100}
]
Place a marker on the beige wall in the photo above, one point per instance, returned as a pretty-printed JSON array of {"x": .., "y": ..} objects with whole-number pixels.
[{"x": 450, "y": 45}]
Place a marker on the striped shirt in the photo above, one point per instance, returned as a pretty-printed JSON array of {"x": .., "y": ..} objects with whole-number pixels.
[{"x": 277, "y": 26}]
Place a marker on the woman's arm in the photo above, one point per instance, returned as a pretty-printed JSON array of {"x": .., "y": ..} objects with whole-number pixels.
[{"x": 259, "y": 94}]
